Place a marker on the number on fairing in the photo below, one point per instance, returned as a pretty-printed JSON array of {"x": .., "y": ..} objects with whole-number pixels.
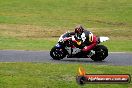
[
  {"x": 83, "y": 37},
  {"x": 91, "y": 37}
]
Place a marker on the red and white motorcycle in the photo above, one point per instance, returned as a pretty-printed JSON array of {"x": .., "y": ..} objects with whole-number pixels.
[{"x": 66, "y": 48}]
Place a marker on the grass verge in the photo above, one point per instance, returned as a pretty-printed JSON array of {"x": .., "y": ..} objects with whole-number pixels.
[
  {"x": 51, "y": 75},
  {"x": 48, "y": 43}
]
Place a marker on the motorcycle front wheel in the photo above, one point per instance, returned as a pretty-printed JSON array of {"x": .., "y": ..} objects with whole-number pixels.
[{"x": 57, "y": 53}]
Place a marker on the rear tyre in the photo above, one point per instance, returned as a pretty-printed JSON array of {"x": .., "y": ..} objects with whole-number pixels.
[
  {"x": 57, "y": 53},
  {"x": 101, "y": 52}
]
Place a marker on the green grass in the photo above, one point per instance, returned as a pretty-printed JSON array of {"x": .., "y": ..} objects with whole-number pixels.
[
  {"x": 119, "y": 45},
  {"x": 31, "y": 24},
  {"x": 62, "y": 13},
  {"x": 49, "y": 75},
  {"x": 26, "y": 44},
  {"x": 48, "y": 43},
  {"x": 24, "y": 23}
]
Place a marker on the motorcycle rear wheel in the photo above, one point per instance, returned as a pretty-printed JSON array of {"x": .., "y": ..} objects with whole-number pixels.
[{"x": 101, "y": 52}]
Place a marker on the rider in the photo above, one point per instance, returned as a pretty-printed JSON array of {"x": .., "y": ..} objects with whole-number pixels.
[{"x": 83, "y": 39}]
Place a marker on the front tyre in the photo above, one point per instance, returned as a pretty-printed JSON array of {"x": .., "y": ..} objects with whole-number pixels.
[
  {"x": 101, "y": 52},
  {"x": 57, "y": 53}
]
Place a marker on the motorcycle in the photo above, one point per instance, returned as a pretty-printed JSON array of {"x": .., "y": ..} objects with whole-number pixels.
[{"x": 66, "y": 48}]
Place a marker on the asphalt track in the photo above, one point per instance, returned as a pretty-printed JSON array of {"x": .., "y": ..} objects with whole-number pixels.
[{"x": 43, "y": 56}]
